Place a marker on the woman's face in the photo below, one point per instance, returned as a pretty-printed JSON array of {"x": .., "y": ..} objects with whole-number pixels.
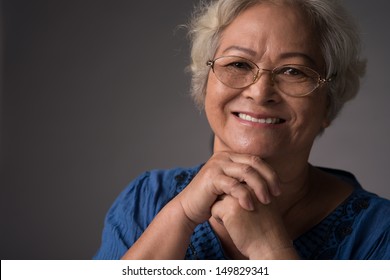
[{"x": 270, "y": 36}]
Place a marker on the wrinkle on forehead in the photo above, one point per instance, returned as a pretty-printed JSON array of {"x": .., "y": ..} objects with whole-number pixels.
[{"x": 272, "y": 32}]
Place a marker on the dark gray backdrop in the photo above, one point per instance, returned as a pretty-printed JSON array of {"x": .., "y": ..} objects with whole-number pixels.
[{"x": 93, "y": 92}]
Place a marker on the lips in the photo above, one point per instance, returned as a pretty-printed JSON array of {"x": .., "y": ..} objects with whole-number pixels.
[{"x": 262, "y": 120}]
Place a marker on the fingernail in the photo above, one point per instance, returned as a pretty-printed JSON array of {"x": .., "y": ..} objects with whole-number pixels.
[
  {"x": 250, "y": 205},
  {"x": 267, "y": 200},
  {"x": 277, "y": 192}
]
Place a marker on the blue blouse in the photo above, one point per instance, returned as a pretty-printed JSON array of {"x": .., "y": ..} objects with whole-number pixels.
[{"x": 359, "y": 228}]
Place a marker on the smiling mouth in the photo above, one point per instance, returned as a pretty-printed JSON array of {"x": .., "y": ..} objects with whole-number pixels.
[{"x": 260, "y": 120}]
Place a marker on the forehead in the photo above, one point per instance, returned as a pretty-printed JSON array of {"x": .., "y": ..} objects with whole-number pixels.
[{"x": 268, "y": 31}]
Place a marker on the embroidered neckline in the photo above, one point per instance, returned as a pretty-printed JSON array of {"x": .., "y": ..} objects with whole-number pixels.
[{"x": 322, "y": 241}]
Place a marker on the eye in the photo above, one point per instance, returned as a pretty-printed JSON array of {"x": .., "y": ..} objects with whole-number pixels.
[
  {"x": 291, "y": 71},
  {"x": 296, "y": 74},
  {"x": 240, "y": 66}
]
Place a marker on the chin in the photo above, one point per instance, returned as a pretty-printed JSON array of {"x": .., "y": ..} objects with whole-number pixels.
[
  {"x": 244, "y": 145},
  {"x": 256, "y": 150}
]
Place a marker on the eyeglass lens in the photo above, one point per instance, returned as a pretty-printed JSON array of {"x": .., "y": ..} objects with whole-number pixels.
[{"x": 237, "y": 72}]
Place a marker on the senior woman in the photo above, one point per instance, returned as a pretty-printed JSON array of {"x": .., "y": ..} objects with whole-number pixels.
[{"x": 271, "y": 76}]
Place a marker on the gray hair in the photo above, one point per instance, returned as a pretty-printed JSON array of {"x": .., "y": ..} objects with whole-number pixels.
[{"x": 338, "y": 36}]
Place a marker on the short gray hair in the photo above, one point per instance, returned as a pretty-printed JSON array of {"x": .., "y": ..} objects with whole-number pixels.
[{"x": 338, "y": 36}]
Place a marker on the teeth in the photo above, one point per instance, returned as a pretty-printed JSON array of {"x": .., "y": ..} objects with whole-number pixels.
[{"x": 265, "y": 120}]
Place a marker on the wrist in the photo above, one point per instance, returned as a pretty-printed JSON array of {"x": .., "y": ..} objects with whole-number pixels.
[
  {"x": 282, "y": 250},
  {"x": 282, "y": 253},
  {"x": 179, "y": 214}
]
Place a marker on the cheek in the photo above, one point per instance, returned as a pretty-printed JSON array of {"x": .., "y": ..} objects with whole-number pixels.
[
  {"x": 212, "y": 102},
  {"x": 218, "y": 102},
  {"x": 215, "y": 95},
  {"x": 210, "y": 91},
  {"x": 313, "y": 113}
]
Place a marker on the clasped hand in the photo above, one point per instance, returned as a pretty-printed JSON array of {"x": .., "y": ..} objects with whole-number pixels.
[{"x": 237, "y": 190}]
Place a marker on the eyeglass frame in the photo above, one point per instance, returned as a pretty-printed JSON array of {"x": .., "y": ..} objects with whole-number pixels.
[{"x": 320, "y": 81}]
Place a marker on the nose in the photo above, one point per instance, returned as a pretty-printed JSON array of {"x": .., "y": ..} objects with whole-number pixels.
[{"x": 263, "y": 90}]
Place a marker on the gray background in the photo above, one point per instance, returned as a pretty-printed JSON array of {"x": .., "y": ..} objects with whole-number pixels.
[{"x": 93, "y": 92}]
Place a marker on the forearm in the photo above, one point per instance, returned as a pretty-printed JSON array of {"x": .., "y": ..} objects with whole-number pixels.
[
  {"x": 282, "y": 253},
  {"x": 167, "y": 237},
  {"x": 274, "y": 246}
]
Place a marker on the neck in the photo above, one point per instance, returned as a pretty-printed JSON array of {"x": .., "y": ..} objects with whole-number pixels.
[
  {"x": 295, "y": 177},
  {"x": 296, "y": 187},
  {"x": 296, "y": 184}
]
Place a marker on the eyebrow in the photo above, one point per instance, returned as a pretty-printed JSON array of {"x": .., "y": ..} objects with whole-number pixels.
[
  {"x": 299, "y": 54},
  {"x": 242, "y": 49},
  {"x": 282, "y": 56}
]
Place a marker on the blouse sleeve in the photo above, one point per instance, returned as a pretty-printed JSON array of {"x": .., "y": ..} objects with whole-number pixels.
[{"x": 132, "y": 212}]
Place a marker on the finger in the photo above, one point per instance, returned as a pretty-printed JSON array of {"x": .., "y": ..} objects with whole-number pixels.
[
  {"x": 227, "y": 185},
  {"x": 218, "y": 210},
  {"x": 215, "y": 212},
  {"x": 249, "y": 176},
  {"x": 263, "y": 168}
]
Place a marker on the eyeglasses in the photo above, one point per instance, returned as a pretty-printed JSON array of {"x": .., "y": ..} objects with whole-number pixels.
[{"x": 291, "y": 79}]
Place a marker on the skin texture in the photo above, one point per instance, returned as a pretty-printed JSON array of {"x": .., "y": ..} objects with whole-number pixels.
[{"x": 258, "y": 181}]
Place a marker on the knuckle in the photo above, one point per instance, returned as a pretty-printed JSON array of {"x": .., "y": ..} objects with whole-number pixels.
[
  {"x": 247, "y": 169},
  {"x": 214, "y": 157},
  {"x": 234, "y": 207},
  {"x": 212, "y": 161},
  {"x": 234, "y": 185},
  {"x": 256, "y": 160},
  {"x": 208, "y": 172},
  {"x": 237, "y": 190},
  {"x": 211, "y": 168}
]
